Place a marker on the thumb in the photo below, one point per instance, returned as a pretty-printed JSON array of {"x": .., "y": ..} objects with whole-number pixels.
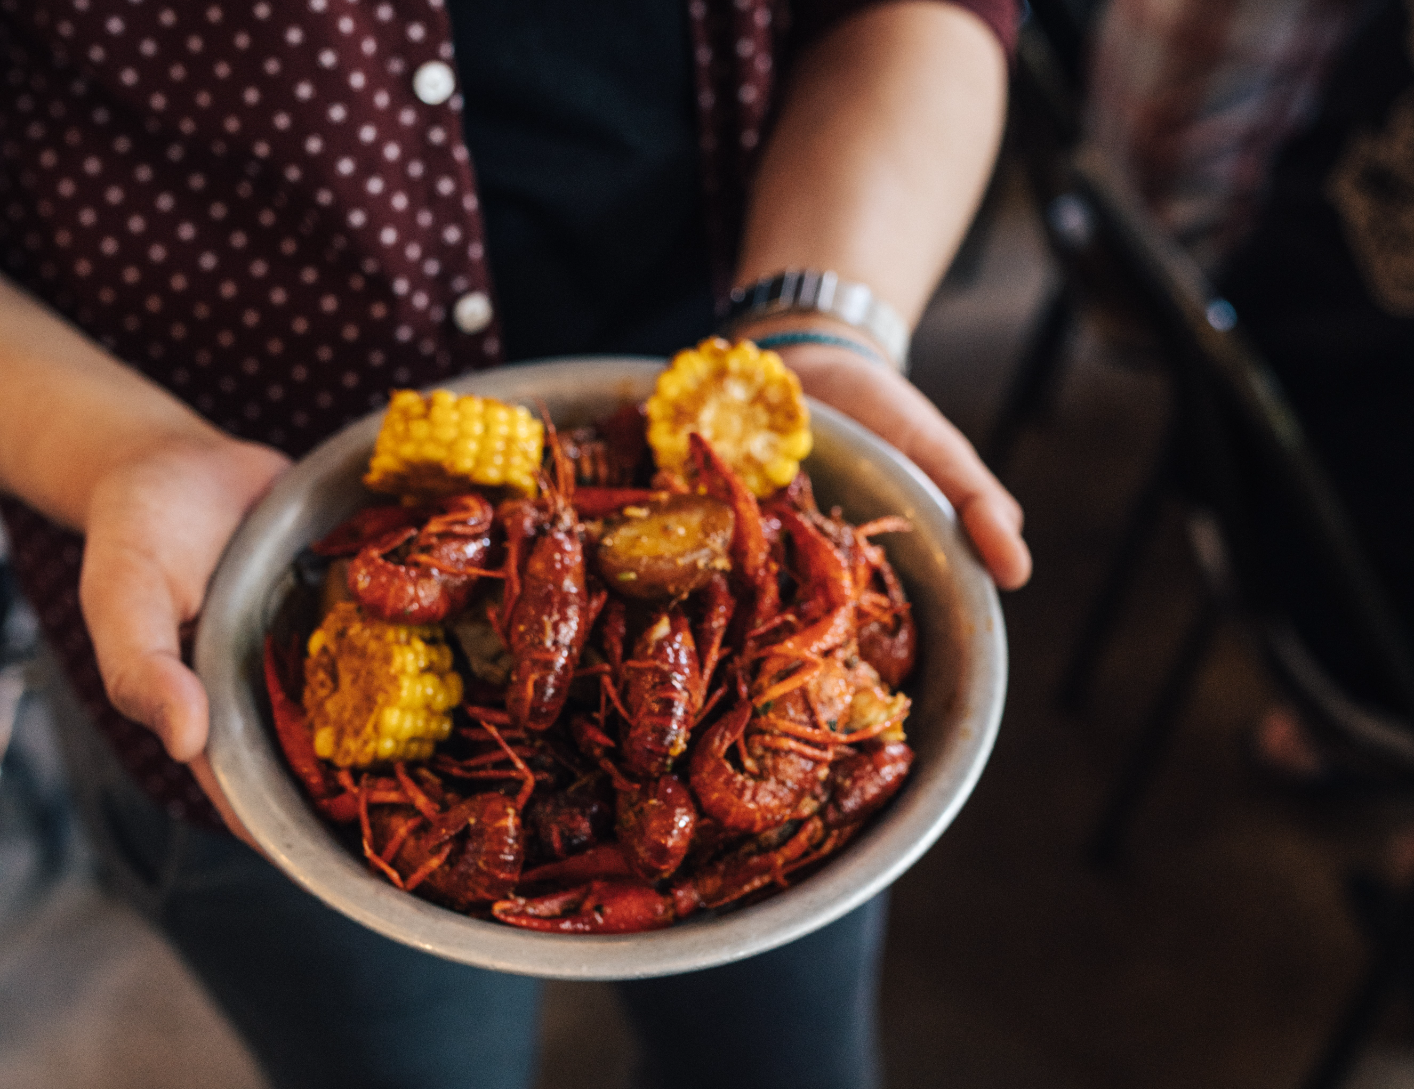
[{"x": 133, "y": 620}]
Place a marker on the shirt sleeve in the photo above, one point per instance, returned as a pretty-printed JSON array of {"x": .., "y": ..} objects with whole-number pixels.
[
  {"x": 1190, "y": 102},
  {"x": 1003, "y": 17}
]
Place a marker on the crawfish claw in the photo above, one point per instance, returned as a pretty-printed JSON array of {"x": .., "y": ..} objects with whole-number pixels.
[{"x": 600, "y": 907}]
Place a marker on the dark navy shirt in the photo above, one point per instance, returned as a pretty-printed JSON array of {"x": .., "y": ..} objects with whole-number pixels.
[{"x": 581, "y": 124}]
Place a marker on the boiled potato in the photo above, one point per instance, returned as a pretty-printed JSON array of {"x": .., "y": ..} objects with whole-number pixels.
[{"x": 668, "y": 549}]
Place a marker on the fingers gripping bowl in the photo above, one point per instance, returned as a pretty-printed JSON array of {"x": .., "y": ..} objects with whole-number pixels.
[{"x": 957, "y": 691}]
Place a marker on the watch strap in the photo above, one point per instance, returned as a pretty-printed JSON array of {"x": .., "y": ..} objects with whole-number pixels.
[{"x": 823, "y": 292}]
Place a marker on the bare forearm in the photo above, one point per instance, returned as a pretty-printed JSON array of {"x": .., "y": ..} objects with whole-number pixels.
[
  {"x": 69, "y": 411},
  {"x": 155, "y": 489},
  {"x": 883, "y": 148}
]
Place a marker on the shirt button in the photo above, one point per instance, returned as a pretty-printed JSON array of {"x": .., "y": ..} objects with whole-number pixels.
[
  {"x": 472, "y": 312},
  {"x": 433, "y": 83}
]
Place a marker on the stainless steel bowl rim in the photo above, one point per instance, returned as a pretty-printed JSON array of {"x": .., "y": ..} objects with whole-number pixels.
[{"x": 265, "y": 797}]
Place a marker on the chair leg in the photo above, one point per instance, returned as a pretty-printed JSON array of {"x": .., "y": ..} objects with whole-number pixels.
[
  {"x": 1390, "y": 962},
  {"x": 1079, "y": 673},
  {"x": 1035, "y": 378},
  {"x": 1142, "y": 765}
]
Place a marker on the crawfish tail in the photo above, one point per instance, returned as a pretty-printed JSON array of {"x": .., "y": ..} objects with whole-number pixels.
[
  {"x": 860, "y": 784},
  {"x": 736, "y": 799},
  {"x": 600, "y": 907},
  {"x": 663, "y": 678},
  {"x": 549, "y": 625},
  {"x": 656, "y": 823}
]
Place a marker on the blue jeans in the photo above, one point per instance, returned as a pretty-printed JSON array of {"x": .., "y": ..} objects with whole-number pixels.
[{"x": 323, "y": 1001}]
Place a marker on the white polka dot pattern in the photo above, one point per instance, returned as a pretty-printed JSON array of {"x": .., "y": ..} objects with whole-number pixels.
[
  {"x": 732, "y": 102},
  {"x": 472, "y": 312},
  {"x": 227, "y": 187}
]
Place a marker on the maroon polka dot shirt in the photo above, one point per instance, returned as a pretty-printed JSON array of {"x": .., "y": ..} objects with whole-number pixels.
[{"x": 269, "y": 209}]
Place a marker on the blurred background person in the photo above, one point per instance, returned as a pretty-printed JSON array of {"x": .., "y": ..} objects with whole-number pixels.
[{"x": 1274, "y": 141}]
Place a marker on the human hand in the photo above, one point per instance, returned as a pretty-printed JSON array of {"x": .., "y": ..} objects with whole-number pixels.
[
  {"x": 156, "y": 524},
  {"x": 891, "y": 406}
]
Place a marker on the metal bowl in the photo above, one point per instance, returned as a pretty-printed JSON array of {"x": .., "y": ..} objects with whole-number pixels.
[{"x": 957, "y": 689}]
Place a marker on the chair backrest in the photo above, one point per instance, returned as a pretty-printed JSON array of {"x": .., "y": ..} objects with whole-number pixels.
[
  {"x": 1066, "y": 25},
  {"x": 1044, "y": 132},
  {"x": 1242, "y": 446}
]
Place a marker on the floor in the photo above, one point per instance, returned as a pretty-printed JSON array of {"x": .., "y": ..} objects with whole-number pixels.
[{"x": 1217, "y": 956}]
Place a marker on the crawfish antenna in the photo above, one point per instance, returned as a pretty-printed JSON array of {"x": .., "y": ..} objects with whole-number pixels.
[{"x": 564, "y": 472}]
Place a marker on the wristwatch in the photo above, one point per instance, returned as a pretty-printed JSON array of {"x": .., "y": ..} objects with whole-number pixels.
[{"x": 822, "y": 292}]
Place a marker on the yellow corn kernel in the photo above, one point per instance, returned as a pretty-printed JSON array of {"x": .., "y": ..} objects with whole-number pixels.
[
  {"x": 741, "y": 400},
  {"x": 377, "y": 692},
  {"x": 872, "y": 705},
  {"x": 440, "y": 444}
]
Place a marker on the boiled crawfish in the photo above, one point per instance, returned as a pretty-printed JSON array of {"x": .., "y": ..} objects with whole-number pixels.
[
  {"x": 415, "y": 830},
  {"x": 664, "y": 683},
  {"x": 787, "y": 728},
  {"x": 607, "y": 905},
  {"x": 443, "y": 549},
  {"x": 547, "y": 609}
]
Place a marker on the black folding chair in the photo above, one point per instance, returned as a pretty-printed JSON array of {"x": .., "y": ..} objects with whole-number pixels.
[
  {"x": 1232, "y": 436},
  {"x": 1234, "y": 439},
  {"x": 1044, "y": 129}
]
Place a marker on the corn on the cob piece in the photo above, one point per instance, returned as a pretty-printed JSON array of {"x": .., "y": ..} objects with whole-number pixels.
[
  {"x": 377, "y": 692},
  {"x": 741, "y": 400},
  {"x": 440, "y": 444}
]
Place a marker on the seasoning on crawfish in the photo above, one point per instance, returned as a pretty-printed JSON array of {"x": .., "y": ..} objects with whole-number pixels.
[
  {"x": 415, "y": 565},
  {"x": 548, "y": 605},
  {"x": 683, "y": 688}
]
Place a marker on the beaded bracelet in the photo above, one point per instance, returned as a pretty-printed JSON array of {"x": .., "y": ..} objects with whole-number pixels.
[{"x": 829, "y": 340}]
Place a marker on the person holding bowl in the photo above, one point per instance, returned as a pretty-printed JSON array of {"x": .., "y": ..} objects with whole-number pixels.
[{"x": 229, "y": 230}]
